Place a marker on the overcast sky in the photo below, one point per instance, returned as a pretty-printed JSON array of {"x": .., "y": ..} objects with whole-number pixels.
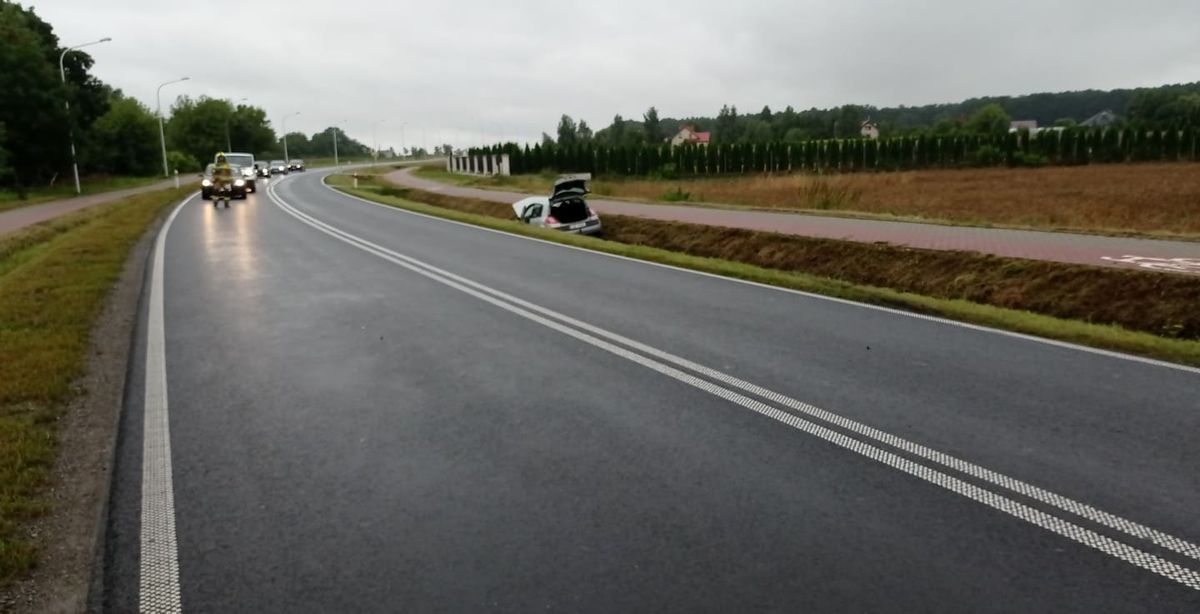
[{"x": 466, "y": 70}]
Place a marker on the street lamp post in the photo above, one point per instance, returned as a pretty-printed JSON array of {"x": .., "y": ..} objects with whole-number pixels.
[
  {"x": 62, "y": 72},
  {"x": 162, "y": 136},
  {"x": 283, "y": 126},
  {"x": 375, "y": 138},
  {"x": 402, "y": 139},
  {"x": 335, "y": 133},
  {"x": 228, "y": 142}
]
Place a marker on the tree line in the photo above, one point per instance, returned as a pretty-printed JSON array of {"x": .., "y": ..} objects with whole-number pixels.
[
  {"x": 114, "y": 134},
  {"x": 1155, "y": 108},
  {"x": 1064, "y": 146}
]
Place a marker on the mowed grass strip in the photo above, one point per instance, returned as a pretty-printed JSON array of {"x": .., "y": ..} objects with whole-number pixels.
[
  {"x": 54, "y": 279},
  {"x": 90, "y": 185},
  {"x": 1158, "y": 302},
  {"x": 1155, "y": 200}
]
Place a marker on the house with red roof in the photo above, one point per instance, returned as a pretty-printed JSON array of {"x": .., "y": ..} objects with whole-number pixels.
[{"x": 689, "y": 134}]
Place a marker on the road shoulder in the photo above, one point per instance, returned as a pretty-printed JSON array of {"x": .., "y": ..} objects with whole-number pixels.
[{"x": 71, "y": 536}]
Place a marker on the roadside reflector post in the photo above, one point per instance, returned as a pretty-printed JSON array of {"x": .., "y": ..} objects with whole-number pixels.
[
  {"x": 355, "y": 179},
  {"x": 177, "y": 178}
]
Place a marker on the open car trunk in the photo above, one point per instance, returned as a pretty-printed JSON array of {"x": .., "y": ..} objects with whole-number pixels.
[
  {"x": 570, "y": 187},
  {"x": 569, "y": 211}
]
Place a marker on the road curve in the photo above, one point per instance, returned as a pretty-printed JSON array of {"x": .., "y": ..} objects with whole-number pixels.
[
  {"x": 372, "y": 410},
  {"x": 1125, "y": 252}
]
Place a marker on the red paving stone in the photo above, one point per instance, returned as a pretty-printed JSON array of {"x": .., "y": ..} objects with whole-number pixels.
[
  {"x": 16, "y": 219},
  {"x": 1149, "y": 254}
]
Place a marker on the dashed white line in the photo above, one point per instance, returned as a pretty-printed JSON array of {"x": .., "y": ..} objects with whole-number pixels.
[{"x": 1183, "y": 575}]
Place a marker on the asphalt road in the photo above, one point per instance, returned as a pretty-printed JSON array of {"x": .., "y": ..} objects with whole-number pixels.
[
  {"x": 1182, "y": 257},
  {"x": 371, "y": 410}
]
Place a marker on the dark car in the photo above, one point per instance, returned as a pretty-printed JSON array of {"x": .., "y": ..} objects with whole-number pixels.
[
  {"x": 238, "y": 187},
  {"x": 279, "y": 167},
  {"x": 262, "y": 169},
  {"x": 296, "y": 165}
]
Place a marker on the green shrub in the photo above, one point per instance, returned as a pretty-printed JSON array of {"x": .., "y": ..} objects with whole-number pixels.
[
  {"x": 1032, "y": 160},
  {"x": 668, "y": 171},
  {"x": 676, "y": 195},
  {"x": 988, "y": 155},
  {"x": 182, "y": 162}
]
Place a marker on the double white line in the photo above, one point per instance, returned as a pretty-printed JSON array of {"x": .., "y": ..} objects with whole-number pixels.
[{"x": 872, "y": 443}]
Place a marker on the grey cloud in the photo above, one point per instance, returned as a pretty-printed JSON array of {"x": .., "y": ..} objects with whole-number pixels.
[{"x": 471, "y": 70}]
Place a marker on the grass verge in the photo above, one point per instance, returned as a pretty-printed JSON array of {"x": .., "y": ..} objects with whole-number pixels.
[
  {"x": 9, "y": 200},
  {"x": 54, "y": 279},
  {"x": 838, "y": 265}
]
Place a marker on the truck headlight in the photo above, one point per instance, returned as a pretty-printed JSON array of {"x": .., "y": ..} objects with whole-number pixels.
[{"x": 239, "y": 183}]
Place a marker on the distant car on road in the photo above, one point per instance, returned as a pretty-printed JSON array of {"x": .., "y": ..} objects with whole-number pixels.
[
  {"x": 238, "y": 187},
  {"x": 244, "y": 161},
  {"x": 296, "y": 165},
  {"x": 564, "y": 210},
  {"x": 279, "y": 167},
  {"x": 263, "y": 169}
]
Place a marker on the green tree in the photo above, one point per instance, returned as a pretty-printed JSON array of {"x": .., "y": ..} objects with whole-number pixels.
[
  {"x": 184, "y": 163},
  {"x": 197, "y": 126},
  {"x": 989, "y": 119},
  {"x": 124, "y": 141},
  {"x": 727, "y": 125},
  {"x": 652, "y": 127},
  {"x": 249, "y": 130},
  {"x": 298, "y": 145},
  {"x": 757, "y": 131},
  {"x": 583, "y": 133},
  {"x": 5, "y": 170},
  {"x": 31, "y": 99},
  {"x": 321, "y": 144},
  {"x": 547, "y": 140},
  {"x": 566, "y": 130},
  {"x": 796, "y": 135}
]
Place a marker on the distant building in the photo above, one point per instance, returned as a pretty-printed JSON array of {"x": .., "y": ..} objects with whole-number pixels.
[
  {"x": 689, "y": 134},
  {"x": 869, "y": 129},
  {"x": 1100, "y": 120},
  {"x": 1023, "y": 124}
]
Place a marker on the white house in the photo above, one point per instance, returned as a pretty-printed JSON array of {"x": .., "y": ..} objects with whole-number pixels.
[{"x": 689, "y": 134}]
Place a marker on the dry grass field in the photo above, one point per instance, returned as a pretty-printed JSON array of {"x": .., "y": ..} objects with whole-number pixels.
[{"x": 1147, "y": 199}]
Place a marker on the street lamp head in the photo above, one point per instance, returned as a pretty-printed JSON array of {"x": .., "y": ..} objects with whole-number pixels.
[{"x": 106, "y": 39}]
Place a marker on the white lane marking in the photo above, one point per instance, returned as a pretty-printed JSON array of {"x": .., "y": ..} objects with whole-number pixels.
[
  {"x": 1034, "y": 492},
  {"x": 890, "y": 310},
  {"x": 1173, "y": 265},
  {"x": 158, "y": 589},
  {"x": 1120, "y": 550}
]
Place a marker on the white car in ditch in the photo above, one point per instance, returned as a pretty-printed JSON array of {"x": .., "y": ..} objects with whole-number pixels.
[{"x": 564, "y": 210}]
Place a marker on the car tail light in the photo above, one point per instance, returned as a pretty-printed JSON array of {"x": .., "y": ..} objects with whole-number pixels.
[{"x": 550, "y": 219}]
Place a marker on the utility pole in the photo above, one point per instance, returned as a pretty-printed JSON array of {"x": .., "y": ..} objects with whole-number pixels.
[
  {"x": 228, "y": 143},
  {"x": 283, "y": 126},
  {"x": 62, "y": 72},
  {"x": 158, "y": 109}
]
